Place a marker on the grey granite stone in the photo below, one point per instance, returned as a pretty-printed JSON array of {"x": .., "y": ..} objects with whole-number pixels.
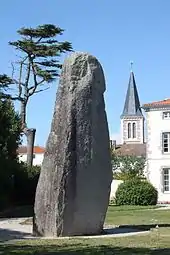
[{"x": 73, "y": 190}]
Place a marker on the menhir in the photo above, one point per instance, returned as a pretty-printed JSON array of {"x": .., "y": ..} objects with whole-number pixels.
[{"x": 74, "y": 186}]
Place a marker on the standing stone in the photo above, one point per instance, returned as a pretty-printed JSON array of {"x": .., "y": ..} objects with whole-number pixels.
[{"x": 73, "y": 190}]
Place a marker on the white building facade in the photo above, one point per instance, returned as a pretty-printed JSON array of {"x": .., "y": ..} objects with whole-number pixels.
[
  {"x": 37, "y": 156},
  {"x": 132, "y": 129},
  {"x": 158, "y": 147}
]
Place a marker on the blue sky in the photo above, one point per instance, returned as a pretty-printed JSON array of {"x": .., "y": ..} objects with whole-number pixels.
[{"x": 115, "y": 31}]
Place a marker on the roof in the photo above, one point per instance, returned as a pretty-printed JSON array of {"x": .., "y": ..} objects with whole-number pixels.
[
  {"x": 121, "y": 149},
  {"x": 37, "y": 150},
  {"x": 157, "y": 104},
  {"x": 132, "y": 103},
  {"x": 131, "y": 150}
]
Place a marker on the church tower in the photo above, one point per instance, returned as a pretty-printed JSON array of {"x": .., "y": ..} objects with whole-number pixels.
[{"x": 132, "y": 119}]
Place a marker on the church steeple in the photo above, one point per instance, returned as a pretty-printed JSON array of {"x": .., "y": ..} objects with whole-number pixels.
[
  {"x": 132, "y": 120},
  {"x": 132, "y": 104}
]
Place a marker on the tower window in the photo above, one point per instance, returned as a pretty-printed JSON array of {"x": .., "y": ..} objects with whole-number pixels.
[
  {"x": 134, "y": 130},
  {"x": 129, "y": 130}
]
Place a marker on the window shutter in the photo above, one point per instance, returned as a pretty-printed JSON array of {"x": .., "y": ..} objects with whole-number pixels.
[{"x": 162, "y": 180}]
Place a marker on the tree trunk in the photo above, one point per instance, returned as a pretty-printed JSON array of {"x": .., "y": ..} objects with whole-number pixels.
[
  {"x": 30, "y": 134},
  {"x": 23, "y": 113}
]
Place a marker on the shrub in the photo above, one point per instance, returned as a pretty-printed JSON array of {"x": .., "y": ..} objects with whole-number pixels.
[
  {"x": 128, "y": 167},
  {"x": 25, "y": 183},
  {"x": 10, "y": 138},
  {"x": 112, "y": 201},
  {"x": 136, "y": 192}
]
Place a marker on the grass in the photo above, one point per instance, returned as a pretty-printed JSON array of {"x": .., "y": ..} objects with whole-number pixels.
[
  {"x": 151, "y": 244},
  {"x": 128, "y": 215},
  {"x": 155, "y": 242},
  {"x": 136, "y": 215}
]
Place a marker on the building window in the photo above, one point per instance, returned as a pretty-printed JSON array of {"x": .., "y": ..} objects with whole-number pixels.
[
  {"x": 134, "y": 130},
  {"x": 166, "y": 179},
  {"x": 166, "y": 115},
  {"x": 129, "y": 130},
  {"x": 166, "y": 142},
  {"x": 33, "y": 155}
]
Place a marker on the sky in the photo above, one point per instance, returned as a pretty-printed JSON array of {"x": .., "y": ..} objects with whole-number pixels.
[{"x": 115, "y": 31}]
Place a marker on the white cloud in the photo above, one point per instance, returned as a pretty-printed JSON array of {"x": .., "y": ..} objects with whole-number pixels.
[{"x": 116, "y": 136}]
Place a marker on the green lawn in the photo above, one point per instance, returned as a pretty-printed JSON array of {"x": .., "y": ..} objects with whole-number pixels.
[
  {"x": 155, "y": 242},
  {"x": 126, "y": 215},
  {"x": 136, "y": 215}
]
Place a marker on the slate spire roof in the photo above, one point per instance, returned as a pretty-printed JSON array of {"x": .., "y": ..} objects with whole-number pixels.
[{"x": 132, "y": 104}]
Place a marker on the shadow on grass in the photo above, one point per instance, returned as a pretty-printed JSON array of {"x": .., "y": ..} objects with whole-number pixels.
[
  {"x": 124, "y": 230},
  {"x": 77, "y": 250},
  {"x": 145, "y": 226}
]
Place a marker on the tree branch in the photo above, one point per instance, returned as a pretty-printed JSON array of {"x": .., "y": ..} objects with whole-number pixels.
[
  {"x": 36, "y": 83},
  {"x": 26, "y": 93},
  {"x": 16, "y": 98},
  {"x": 13, "y": 70},
  {"x": 19, "y": 84},
  {"x": 35, "y": 78},
  {"x": 41, "y": 90},
  {"x": 39, "y": 40},
  {"x": 20, "y": 77},
  {"x": 32, "y": 89}
]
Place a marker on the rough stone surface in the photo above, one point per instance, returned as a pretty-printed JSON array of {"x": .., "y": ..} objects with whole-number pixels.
[{"x": 74, "y": 186}]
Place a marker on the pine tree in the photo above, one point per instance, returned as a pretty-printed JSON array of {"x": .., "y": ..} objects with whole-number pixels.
[
  {"x": 5, "y": 81},
  {"x": 37, "y": 67}
]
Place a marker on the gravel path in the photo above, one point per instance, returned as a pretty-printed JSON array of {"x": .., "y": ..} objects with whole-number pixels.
[{"x": 11, "y": 230}]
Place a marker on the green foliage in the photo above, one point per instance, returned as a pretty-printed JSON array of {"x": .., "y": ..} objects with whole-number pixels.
[
  {"x": 25, "y": 183},
  {"x": 136, "y": 192},
  {"x": 5, "y": 81},
  {"x": 128, "y": 167},
  {"x": 10, "y": 135},
  {"x": 39, "y": 63},
  {"x": 112, "y": 201},
  {"x": 10, "y": 130},
  {"x": 37, "y": 67}
]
